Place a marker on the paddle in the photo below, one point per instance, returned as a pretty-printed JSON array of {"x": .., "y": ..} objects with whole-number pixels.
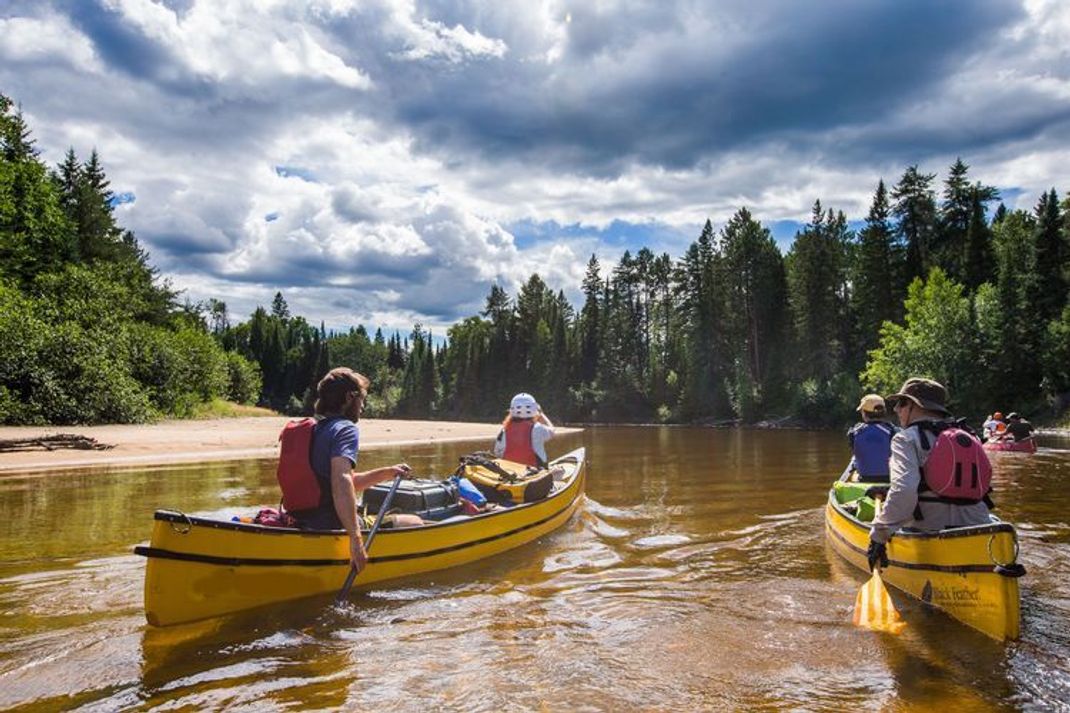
[
  {"x": 874, "y": 608},
  {"x": 344, "y": 593}
]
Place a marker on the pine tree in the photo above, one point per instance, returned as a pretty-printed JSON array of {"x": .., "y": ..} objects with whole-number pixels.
[
  {"x": 956, "y": 212},
  {"x": 877, "y": 272},
  {"x": 699, "y": 303},
  {"x": 35, "y": 235},
  {"x": 815, "y": 276},
  {"x": 915, "y": 208},
  {"x": 1052, "y": 258},
  {"x": 98, "y": 234},
  {"x": 16, "y": 143},
  {"x": 279, "y": 309},
  {"x": 979, "y": 259},
  {"x": 590, "y": 322},
  {"x": 68, "y": 180},
  {"x": 756, "y": 293}
]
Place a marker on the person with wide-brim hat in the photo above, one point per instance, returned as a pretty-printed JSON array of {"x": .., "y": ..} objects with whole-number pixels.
[
  {"x": 871, "y": 441},
  {"x": 921, "y": 407}
]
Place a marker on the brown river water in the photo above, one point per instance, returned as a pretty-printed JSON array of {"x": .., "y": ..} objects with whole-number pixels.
[{"x": 695, "y": 576}]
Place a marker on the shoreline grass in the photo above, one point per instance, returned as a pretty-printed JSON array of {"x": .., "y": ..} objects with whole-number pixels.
[{"x": 220, "y": 408}]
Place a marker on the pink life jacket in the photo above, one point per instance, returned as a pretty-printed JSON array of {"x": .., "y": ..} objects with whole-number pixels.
[
  {"x": 958, "y": 470},
  {"x": 300, "y": 486},
  {"x": 518, "y": 446}
]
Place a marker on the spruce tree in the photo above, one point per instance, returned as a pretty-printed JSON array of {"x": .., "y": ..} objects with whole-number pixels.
[
  {"x": 98, "y": 233},
  {"x": 590, "y": 322},
  {"x": 756, "y": 292},
  {"x": 279, "y": 309},
  {"x": 915, "y": 208},
  {"x": 1052, "y": 258},
  {"x": 979, "y": 257},
  {"x": 878, "y": 272},
  {"x": 815, "y": 274}
]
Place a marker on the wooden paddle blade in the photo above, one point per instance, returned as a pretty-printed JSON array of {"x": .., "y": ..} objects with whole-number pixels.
[{"x": 874, "y": 609}]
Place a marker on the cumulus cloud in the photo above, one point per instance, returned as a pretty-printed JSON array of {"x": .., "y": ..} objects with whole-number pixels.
[{"x": 387, "y": 161}]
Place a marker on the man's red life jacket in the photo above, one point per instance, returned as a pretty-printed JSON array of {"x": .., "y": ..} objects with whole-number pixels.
[
  {"x": 958, "y": 470},
  {"x": 518, "y": 443},
  {"x": 300, "y": 486}
]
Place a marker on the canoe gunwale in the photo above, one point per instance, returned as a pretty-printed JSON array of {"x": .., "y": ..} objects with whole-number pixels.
[
  {"x": 967, "y": 531},
  {"x": 181, "y": 518},
  {"x": 263, "y": 562},
  {"x": 992, "y": 530}
]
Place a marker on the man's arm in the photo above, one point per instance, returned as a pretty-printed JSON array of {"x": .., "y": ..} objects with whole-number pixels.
[
  {"x": 345, "y": 505},
  {"x": 365, "y": 480},
  {"x": 902, "y": 495}
]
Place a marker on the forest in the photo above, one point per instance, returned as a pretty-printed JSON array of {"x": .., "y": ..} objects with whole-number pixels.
[{"x": 940, "y": 280}]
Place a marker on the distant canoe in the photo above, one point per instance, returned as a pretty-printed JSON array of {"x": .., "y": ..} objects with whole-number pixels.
[
  {"x": 1029, "y": 445},
  {"x": 200, "y": 568}
]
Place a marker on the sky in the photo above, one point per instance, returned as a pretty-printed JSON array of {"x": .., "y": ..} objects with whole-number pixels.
[{"x": 385, "y": 162}]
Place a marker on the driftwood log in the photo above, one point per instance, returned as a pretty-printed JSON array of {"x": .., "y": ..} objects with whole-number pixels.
[{"x": 51, "y": 443}]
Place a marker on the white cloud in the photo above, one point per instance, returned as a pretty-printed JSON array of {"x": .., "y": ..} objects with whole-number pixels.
[
  {"x": 50, "y": 37},
  {"x": 425, "y": 130},
  {"x": 248, "y": 43}
]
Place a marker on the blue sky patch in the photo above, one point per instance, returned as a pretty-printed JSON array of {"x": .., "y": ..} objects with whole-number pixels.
[
  {"x": 659, "y": 237},
  {"x": 295, "y": 172}
]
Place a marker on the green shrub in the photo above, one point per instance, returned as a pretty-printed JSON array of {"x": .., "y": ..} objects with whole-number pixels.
[
  {"x": 80, "y": 380},
  {"x": 822, "y": 404},
  {"x": 243, "y": 379},
  {"x": 202, "y": 363}
]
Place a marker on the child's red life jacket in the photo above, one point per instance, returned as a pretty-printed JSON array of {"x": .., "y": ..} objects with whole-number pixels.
[
  {"x": 300, "y": 486},
  {"x": 518, "y": 443},
  {"x": 958, "y": 470}
]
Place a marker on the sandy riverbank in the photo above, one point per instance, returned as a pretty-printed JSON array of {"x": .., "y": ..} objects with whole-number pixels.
[{"x": 215, "y": 440}]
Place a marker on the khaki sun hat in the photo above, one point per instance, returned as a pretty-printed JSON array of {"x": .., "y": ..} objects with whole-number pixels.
[
  {"x": 925, "y": 393},
  {"x": 871, "y": 403}
]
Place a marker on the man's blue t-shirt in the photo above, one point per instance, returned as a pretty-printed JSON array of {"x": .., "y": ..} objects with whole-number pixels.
[{"x": 334, "y": 437}]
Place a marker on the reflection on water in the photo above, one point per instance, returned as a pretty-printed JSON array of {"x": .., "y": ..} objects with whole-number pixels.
[{"x": 695, "y": 576}]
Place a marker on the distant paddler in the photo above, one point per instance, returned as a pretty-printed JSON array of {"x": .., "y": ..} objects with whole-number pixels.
[{"x": 924, "y": 492}]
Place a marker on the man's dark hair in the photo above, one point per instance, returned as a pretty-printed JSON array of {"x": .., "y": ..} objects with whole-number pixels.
[{"x": 333, "y": 389}]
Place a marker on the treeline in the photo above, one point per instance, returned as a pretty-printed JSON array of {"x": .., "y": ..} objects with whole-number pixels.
[
  {"x": 735, "y": 330},
  {"x": 88, "y": 331},
  {"x": 732, "y": 329}
]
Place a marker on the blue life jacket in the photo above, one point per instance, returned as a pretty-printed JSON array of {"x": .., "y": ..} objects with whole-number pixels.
[{"x": 872, "y": 446}]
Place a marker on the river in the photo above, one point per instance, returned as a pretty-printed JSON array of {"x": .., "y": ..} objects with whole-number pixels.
[{"x": 695, "y": 576}]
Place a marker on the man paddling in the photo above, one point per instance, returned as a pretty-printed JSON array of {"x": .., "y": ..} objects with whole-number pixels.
[
  {"x": 340, "y": 397},
  {"x": 929, "y": 499}
]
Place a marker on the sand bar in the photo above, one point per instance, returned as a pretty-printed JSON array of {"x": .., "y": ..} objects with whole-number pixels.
[{"x": 215, "y": 440}]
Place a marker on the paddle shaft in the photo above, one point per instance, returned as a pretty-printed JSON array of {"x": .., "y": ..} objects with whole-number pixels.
[{"x": 344, "y": 593}]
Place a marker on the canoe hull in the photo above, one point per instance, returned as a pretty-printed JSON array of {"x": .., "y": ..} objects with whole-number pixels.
[
  {"x": 1027, "y": 446},
  {"x": 199, "y": 569},
  {"x": 953, "y": 570}
]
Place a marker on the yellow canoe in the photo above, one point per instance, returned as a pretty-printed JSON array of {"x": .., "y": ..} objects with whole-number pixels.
[
  {"x": 200, "y": 568},
  {"x": 970, "y": 573}
]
